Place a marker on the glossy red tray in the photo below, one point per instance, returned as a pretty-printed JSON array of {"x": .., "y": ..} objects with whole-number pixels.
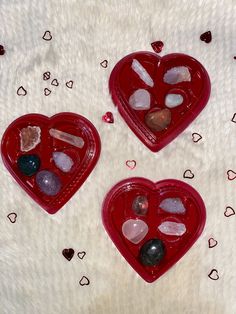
[
  {"x": 124, "y": 81},
  {"x": 117, "y": 208},
  {"x": 84, "y": 158}
]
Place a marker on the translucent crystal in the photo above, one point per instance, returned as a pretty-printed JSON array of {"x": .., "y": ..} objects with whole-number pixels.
[
  {"x": 177, "y": 74},
  {"x": 172, "y": 228},
  {"x": 30, "y": 137},
  {"x": 66, "y": 137},
  {"x": 134, "y": 230},
  {"x": 173, "y": 100},
  {"x": 140, "y": 205},
  {"x": 48, "y": 182},
  {"x": 173, "y": 205},
  {"x": 62, "y": 161},
  {"x": 140, "y": 100},
  {"x": 142, "y": 73}
]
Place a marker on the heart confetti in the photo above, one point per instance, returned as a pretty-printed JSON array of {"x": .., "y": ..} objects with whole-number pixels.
[
  {"x": 234, "y": 118},
  {"x": 69, "y": 84},
  {"x": 104, "y": 63},
  {"x": 212, "y": 243},
  {"x": 229, "y": 211},
  {"x": 47, "y": 91},
  {"x": 84, "y": 281},
  {"x": 2, "y": 50},
  {"x": 213, "y": 274},
  {"x": 157, "y": 46},
  {"x": 196, "y": 137},
  {"x": 206, "y": 37},
  {"x": 68, "y": 253},
  {"x": 188, "y": 174},
  {"x": 46, "y": 76},
  {"x": 12, "y": 217},
  {"x": 231, "y": 175},
  {"x": 47, "y": 36},
  {"x": 131, "y": 164},
  {"x": 21, "y": 91},
  {"x": 108, "y": 117},
  {"x": 54, "y": 82},
  {"x": 81, "y": 255}
]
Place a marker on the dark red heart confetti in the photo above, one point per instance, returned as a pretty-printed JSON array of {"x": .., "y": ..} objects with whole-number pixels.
[
  {"x": 213, "y": 274},
  {"x": 46, "y": 76},
  {"x": 108, "y": 117},
  {"x": 84, "y": 281},
  {"x": 81, "y": 255},
  {"x": 157, "y": 46},
  {"x": 188, "y": 174},
  {"x": 104, "y": 63},
  {"x": 212, "y": 243},
  {"x": 68, "y": 253},
  {"x": 21, "y": 91},
  {"x": 206, "y": 37},
  {"x": 12, "y": 217},
  {"x": 47, "y": 91}
]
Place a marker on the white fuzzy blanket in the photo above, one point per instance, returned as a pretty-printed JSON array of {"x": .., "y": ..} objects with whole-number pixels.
[{"x": 34, "y": 276}]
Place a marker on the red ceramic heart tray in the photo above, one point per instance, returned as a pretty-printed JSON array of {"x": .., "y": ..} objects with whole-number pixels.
[
  {"x": 117, "y": 209},
  {"x": 124, "y": 81},
  {"x": 84, "y": 159}
]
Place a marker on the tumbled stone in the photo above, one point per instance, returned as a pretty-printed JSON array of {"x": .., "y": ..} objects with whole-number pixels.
[
  {"x": 173, "y": 205},
  {"x": 134, "y": 230},
  {"x": 152, "y": 252},
  {"x": 30, "y": 137},
  {"x": 158, "y": 120},
  {"x": 172, "y": 228},
  {"x": 173, "y": 100},
  {"x": 140, "y": 205},
  {"x": 177, "y": 75},
  {"x": 140, "y": 100},
  {"x": 62, "y": 161},
  {"x": 48, "y": 182},
  {"x": 28, "y": 164}
]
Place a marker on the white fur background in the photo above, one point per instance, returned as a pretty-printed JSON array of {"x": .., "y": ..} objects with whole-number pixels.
[{"x": 34, "y": 276}]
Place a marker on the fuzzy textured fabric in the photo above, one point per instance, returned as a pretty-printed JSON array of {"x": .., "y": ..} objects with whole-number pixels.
[{"x": 34, "y": 275}]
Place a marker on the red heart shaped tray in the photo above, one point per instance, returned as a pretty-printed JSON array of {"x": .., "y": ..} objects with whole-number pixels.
[
  {"x": 194, "y": 92},
  {"x": 118, "y": 209},
  {"x": 83, "y": 159}
]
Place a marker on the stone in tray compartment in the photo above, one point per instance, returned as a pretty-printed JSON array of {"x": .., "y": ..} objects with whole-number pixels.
[
  {"x": 134, "y": 230},
  {"x": 177, "y": 75},
  {"x": 173, "y": 205},
  {"x": 30, "y": 137},
  {"x": 140, "y": 100},
  {"x": 173, "y": 100},
  {"x": 63, "y": 161},
  {"x": 67, "y": 138},
  {"x": 152, "y": 252},
  {"x": 158, "y": 119},
  {"x": 48, "y": 182},
  {"x": 142, "y": 73},
  {"x": 28, "y": 164},
  {"x": 140, "y": 205},
  {"x": 172, "y": 228}
]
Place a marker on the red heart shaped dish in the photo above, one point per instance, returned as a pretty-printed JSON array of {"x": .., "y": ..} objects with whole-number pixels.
[
  {"x": 159, "y": 97},
  {"x": 50, "y": 158},
  {"x": 153, "y": 224}
]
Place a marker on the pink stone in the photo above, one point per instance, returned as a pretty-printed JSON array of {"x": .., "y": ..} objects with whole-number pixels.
[{"x": 134, "y": 230}]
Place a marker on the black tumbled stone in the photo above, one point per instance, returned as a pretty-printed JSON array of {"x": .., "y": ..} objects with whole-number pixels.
[
  {"x": 152, "y": 252},
  {"x": 28, "y": 164}
]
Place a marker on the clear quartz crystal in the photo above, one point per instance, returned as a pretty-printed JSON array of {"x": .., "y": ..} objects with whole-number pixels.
[
  {"x": 134, "y": 230},
  {"x": 177, "y": 74},
  {"x": 173, "y": 100},
  {"x": 62, "y": 161},
  {"x": 66, "y": 137},
  {"x": 172, "y": 228},
  {"x": 173, "y": 205},
  {"x": 142, "y": 73},
  {"x": 140, "y": 100}
]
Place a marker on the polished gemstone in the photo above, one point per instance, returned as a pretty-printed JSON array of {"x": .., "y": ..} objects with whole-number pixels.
[
  {"x": 62, "y": 161},
  {"x": 30, "y": 137},
  {"x": 140, "y": 205},
  {"x": 28, "y": 164},
  {"x": 173, "y": 205},
  {"x": 152, "y": 252},
  {"x": 48, "y": 182},
  {"x": 158, "y": 120},
  {"x": 134, "y": 230},
  {"x": 173, "y": 100},
  {"x": 140, "y": 100},
  {"x": 172, "y": 228},
  {"x": 177, "y": 75}
]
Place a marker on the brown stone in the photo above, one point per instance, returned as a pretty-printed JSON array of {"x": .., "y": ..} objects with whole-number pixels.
[{"x": 158, "y": 120}]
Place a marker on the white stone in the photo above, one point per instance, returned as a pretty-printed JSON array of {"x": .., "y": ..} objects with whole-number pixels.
[
  {"x": 177, "y": 74},
  {"x": 172, "y": 228},
  {"x": 173, "y": 100},
  {"x": 142, "y": 73},
  {"x": 140, "y": 100},
  {"x": 62, "y": 161},
  {"x": 173, "y": 205}
]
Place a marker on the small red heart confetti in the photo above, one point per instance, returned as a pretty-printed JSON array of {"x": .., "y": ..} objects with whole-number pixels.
[
  {"x": 104, "y": 63},
  {"x": 2, "y": 50},
  {"x": 234, "y": 118},
  {"x": 21, "y": 91},
  {"x": 212, "y": 243},
  {"x": 213, "y": 274},
  {"x": 54, "y": 82},
  {"x": 131, "y": 164},
  {"x": 69, "y": 84},
  {"x": 229, "y": 211},
  {"x": 157, "y": 46},
  {"x": 188, "y": 174},
  {"x": 68, "y": 253},
  {"x": 81, "y": 255},
  {"x": 108, "y": 117},
  {"x": 12, "y": 217},
  {"x": 231, "y": 175},
  {"x": 84, "y": 281},
  {"x": 206, "y": 37},
  {"x": 47, "y": 91},
  {"x": 46, "y": 76},
  {"x": 196, "y": 137},
  {"x": 47, "y": 36}
]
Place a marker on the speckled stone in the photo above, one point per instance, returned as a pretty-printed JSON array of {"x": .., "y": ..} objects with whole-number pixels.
[
  {"x": 48, "y": 182},
  {"x": 152, "y": 252},
  {"x": 140, "y": 205}
]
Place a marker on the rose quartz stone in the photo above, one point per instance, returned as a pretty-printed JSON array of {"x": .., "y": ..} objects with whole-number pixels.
[{"x": 134, "y": 230}]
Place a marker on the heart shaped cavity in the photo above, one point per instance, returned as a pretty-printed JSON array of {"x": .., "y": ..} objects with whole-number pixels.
[
  {"x": 50, "y": 158},
  {"x": 153, "y": 240},
  {"x": 171, "y": 90}
]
